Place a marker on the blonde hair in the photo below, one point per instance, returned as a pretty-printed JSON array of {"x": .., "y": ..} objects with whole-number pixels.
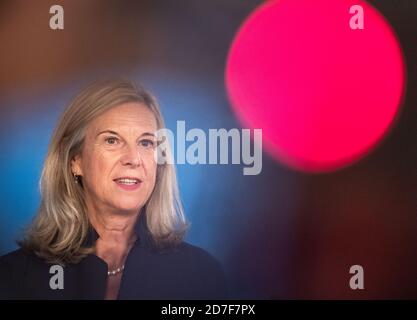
[{"x": 59, "y": 231}]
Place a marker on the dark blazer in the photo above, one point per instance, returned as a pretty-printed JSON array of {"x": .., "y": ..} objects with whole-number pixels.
[{"x": 183, "y": 272}]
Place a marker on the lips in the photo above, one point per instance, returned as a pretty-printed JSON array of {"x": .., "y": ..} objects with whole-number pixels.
[
  {"x": 127, "y": 180},
  {"x": 128, "y": 183}
]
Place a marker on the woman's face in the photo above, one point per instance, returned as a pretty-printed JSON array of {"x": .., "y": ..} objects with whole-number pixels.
[{"x": 117, "y": 162}]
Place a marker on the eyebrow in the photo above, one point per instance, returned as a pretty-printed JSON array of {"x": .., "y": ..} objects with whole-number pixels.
[{"x": 115, "y": 133}]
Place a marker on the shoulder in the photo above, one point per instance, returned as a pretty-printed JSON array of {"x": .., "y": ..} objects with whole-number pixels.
[
  {"x": 201, "y": 267},
  {"x": 195, "y": 252},
  {"x": 193, "y": 256},
  {"x": 13, "y": 267},
  {"x": 15, "y": 261},
  {"x": 185, "y": 271}
]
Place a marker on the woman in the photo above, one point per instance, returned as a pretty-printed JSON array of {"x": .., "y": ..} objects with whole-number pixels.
[{"x": 110, "y": 223}]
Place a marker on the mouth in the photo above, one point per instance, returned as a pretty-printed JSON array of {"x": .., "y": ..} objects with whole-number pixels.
[{"x": 128, "y": 183}]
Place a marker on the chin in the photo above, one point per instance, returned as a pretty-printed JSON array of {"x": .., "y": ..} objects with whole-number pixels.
[{"x": 128, "y": 207}]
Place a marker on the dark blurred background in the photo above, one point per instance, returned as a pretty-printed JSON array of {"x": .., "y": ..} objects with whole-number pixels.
[{"x": 281, "y": 234}]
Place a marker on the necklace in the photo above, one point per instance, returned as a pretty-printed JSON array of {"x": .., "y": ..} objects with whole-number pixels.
[
  {"x": 115, "y": 271},
  {"x": 120, "y": 269}
]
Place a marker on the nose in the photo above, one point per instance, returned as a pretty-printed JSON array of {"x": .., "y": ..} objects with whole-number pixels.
[{"x": 131, "y": 157}]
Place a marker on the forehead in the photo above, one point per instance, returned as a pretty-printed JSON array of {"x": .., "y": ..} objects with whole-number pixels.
[{"x": 134, "y": 116}]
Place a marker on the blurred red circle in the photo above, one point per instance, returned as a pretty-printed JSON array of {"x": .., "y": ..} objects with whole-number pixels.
[{"x": 324, "y": 94}]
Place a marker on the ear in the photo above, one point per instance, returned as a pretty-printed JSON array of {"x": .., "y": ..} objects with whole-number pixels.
[{"x": 76, "y": 165}]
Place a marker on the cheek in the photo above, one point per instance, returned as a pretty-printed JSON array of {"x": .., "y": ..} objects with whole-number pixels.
[
  {"x": 150, "y": 169},
  {"x": 99, "y": 167}
]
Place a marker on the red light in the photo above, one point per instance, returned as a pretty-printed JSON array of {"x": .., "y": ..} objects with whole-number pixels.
[{"x": 323, "y": 93}]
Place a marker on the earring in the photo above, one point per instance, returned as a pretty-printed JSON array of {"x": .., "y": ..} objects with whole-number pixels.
[{"x": 76, "y": 178}]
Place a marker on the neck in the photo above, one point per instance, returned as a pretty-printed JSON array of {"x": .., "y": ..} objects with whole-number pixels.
[{"x": 116, "y": 229}]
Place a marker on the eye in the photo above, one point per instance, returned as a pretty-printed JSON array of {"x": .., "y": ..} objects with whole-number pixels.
[
  {"x": 111, "y": 140},
  {"x": 147, "y": 143}
]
